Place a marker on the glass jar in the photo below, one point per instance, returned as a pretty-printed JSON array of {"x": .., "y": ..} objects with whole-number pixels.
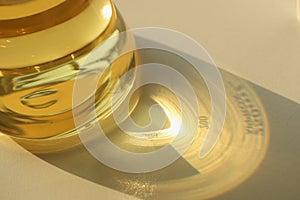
[{"x": 44, "y": 47}]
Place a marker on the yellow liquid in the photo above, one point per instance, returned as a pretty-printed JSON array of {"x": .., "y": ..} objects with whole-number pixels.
[{"x": 40, "y": 63}]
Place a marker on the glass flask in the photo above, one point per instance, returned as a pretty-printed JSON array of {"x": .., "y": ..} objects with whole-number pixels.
[{"x": 44, "y": 45}]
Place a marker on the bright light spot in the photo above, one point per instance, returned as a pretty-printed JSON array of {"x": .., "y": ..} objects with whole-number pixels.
[
  {"x": 37, "y": 68},
  {"x": 107, "y": 11}
]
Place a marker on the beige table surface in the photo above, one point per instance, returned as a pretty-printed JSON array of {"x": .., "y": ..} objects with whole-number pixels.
[{"x": 258, "y": 40}]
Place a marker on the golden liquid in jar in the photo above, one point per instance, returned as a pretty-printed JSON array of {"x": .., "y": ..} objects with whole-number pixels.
[{"x": 41, "y": 55}]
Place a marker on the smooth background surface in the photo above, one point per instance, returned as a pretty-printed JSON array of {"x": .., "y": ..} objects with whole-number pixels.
[
  {"x": 258, "y": 40},
  {"x": 25, "y": 176}
]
